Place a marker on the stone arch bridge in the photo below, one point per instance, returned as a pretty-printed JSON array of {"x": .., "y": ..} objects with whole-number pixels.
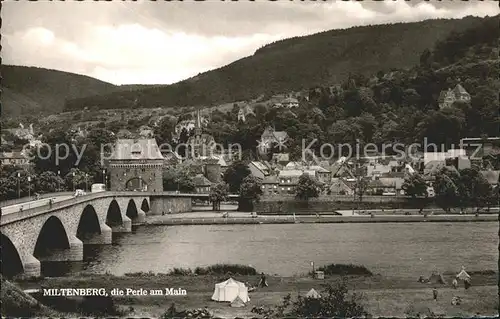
[{"x": 58, "y": 232}]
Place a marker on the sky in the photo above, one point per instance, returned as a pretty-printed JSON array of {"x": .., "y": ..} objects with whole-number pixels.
[{"x": 162, "y": 42}]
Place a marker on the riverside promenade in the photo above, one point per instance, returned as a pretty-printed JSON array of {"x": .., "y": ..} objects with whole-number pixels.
[{"x": 216, "y": 218}]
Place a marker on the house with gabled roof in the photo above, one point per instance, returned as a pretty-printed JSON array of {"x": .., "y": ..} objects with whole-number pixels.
[
  {"x": 201, "y": 184},
  {"x": 259, "y": 169},
  {"x": 457, "y": 94}
]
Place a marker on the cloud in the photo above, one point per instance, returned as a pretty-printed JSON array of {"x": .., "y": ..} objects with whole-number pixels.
[{"x": 164, "y": 42}]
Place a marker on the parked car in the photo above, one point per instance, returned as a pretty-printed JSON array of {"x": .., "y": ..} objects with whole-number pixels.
[{"x": 79, "y": 192}]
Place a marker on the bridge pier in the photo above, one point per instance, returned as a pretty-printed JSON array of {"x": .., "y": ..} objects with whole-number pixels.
[
  {"x": 31, "y": 266},
  {"x": 73, "y": 253},
  {"x": 140, "y": 219},
  {"x": 125, "y": 227},
  {"x": 103, "y": 238}
]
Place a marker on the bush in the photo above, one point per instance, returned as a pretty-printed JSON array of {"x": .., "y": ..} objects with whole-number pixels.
[
  {"x": 335, "y": 302},
  {"x": 222, "y": 269},
  {"x": 140, "y": 274},
  {"x": 172, "y": 313},
  {"x": 180, "y": 272},
  {"x": 343, "y": 269}
]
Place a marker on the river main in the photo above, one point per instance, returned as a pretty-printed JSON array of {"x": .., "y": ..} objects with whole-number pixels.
[{"x": 395, "y": 249}]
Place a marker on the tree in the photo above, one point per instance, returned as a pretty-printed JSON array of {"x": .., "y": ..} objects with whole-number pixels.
[
  {"x": 360, "y": 187},
  {"x": 415, "y": 186},
  {"x": 235, "y": 174},
  {"x": 165, "y": 130},
  {"x": 218, "y": 194},
  {"x": 307, "y": 187},
  {"x": 446, "y": 191},
  {"x": 250, "y": 190},
  {"x": 474, "y": 188},
  {"x": 178, "y": 179},
  {"x": 49, "y": 182},
  {"x": 76, "y": 179},
  {"x": 8, "y": 188}
]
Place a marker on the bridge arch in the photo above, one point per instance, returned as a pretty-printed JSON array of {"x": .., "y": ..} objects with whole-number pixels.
[
  {"x": 52, "y": 240},
  {"x": 145, "y": 205},
  {"x": 132, "y": 211},
  {"x": 10, "y": 263},
  {"x": 88, "y": 226},
  {"x": 114, "y": 214}
]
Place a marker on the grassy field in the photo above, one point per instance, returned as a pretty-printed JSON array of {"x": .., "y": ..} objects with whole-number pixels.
[{"x": 382, "y": 296}]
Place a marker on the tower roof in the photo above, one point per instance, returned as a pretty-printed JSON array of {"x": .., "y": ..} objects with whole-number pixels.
[{"x": 136, "y": 149}]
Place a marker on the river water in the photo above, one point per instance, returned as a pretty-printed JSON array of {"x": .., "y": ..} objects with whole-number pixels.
[{"x": 394, "y": 249}]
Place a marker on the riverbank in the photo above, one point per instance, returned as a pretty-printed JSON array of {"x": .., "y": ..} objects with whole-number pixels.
[
  {"x": 245, "y": 218},
  {"x": 383, "y": 296}
]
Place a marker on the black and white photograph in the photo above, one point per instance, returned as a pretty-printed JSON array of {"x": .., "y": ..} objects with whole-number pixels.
[{"x": 250, "y": 159}]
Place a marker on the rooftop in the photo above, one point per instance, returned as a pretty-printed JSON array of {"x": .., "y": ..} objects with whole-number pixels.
[
  {"x": 200, "y": 180},
  {"x": 136, "y": 149},
  {"x": 290, "y": 173}
]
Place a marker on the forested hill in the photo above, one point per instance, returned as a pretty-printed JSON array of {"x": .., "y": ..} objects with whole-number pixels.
[
  {"x": 294, "y": 64},
  {"x": 32, "y": 90}
]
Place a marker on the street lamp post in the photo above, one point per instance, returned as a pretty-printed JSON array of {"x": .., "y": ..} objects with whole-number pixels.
[
  {"x": 29, "y": 186},
  {"x": 86, "y": 182},
  {"x": 58, "y": 180},
  {"x": 104, "y": 176},
  {"x": 18, "y": 185},
  {"x": 73, "y": 180}
]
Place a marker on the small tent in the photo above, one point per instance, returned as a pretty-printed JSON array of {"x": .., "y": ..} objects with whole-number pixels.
[
  {"x": 237, "y": 303},
  {"x": 463, "y": 275},
  {"x": 230, "y": 289},
  {"x": 313, "y": 294},
  {"x": 437, "y": 279}
]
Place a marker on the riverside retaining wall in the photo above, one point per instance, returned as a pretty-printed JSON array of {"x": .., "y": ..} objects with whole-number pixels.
[{"x": 331, "y": 204}]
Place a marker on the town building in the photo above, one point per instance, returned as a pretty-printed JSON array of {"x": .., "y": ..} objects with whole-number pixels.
[
  {"x": 202, "y": 184},
  {"x": 271, "y": 138},
  {"x": 200, "y": 144},
  {"x": 290, "y": 103},
  {"x": 478, "y": 147},
  {"x": 21, "y": 132},
  {"x": 244, "y": 112},
  {"x": 259, "y": 169},
  {"x": 270, "y": 186},
  {"x": 288, "y": 180},
  {"x": 136, "y": 165},
  {"x": 14, "y": 158},
  {"x": 339, "y": 187},
  {"x": 457, "y": 94},
  {"x": 385, "y": 186},
  {"x": 322, "y": 175},
  {"x": 491, "y": 176},
  {"x": 212, "y": 169},
  {"x": 146, "y": 132}
]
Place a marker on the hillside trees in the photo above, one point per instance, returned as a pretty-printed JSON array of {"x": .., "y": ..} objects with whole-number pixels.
[{"x": 307, "y": 187}]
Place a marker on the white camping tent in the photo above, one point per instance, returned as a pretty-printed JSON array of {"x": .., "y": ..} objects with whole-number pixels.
[
  {"x": 313, "y": 294},
  {"x": 463, "y": 275},
  {"x": 229, "y": 290}
]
